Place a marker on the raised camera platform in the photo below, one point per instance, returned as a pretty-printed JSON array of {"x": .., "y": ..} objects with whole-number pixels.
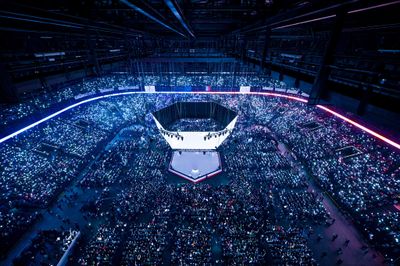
[{"x": 195, "y": 166}]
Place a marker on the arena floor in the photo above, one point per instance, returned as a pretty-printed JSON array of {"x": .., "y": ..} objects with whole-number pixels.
[{"x": 267, "y": 198}]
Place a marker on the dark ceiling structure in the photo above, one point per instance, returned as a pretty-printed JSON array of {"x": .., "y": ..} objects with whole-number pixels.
[
  {"x": 345, "y": 47},
  {"x": 173, "y": 18}
]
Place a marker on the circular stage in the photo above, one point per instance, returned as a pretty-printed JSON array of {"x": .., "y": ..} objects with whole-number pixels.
[{"x": 195, "y": 166}]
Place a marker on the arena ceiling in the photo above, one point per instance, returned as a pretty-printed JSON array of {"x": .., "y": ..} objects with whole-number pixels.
[
  {"x": 169, "y": 18},
  {"x": 90, "y": 33}
]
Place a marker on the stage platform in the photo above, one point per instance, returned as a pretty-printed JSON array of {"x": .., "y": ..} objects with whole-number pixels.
[{"x": 195, "y": 166}]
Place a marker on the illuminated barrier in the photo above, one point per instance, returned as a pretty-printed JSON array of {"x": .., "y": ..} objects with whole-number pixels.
[
  {"x": 106, "y": 90},
  {"x": 128, "y": 88},
  {"x": 340, "y": 116},
  {"x": 84, "y": 95}
]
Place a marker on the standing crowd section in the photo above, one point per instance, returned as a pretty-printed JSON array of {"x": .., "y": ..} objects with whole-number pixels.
[
  {"x": 38, "y": 101},
  {"x": 259, "y": 210}
]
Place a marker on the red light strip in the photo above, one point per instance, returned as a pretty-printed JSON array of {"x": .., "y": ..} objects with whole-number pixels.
[
  {"x": 303, "y": 100},
  {"x": 363, "y": 128}
]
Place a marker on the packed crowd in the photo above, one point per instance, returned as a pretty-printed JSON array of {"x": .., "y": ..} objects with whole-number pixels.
[
  {"x": 252, "y": 213},
  {"x": 37, "y": 165},
  {"x": 38, "y": 102},
  {"x": 153, "y": 220},
  {"x": 360, "y": 184},
  {"x": 47, "y": 248}
]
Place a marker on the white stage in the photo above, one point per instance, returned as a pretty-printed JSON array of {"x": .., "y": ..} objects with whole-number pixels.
[
  {"x": 188, "y": 140},
  {"x": 195, "y": 165}
]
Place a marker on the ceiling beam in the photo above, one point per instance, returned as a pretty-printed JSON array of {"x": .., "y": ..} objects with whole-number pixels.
[
  {"x": 175, "y": 9},
  {"x": 299, "y": 12},
  {"x": 147, "y": 14}
]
